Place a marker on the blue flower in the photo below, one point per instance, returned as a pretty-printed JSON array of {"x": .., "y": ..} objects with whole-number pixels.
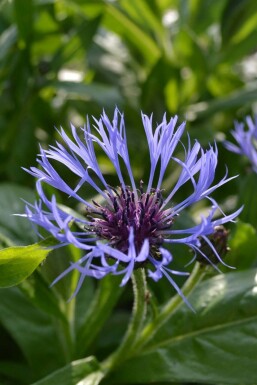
[
  {"x": 129, "y": 226},
  {"x": 246, "y": 141}
]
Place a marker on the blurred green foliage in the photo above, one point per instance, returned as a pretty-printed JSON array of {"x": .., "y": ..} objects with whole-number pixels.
[{"x": 63, "y": 60}]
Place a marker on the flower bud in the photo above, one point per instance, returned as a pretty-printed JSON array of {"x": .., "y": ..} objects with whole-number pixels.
[{"x": 219, "y": 240}]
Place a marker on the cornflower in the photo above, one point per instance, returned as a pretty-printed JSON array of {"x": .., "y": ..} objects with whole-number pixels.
[
  {"x": 129, "y": 226},
  {"x": 246, "y": 141}
]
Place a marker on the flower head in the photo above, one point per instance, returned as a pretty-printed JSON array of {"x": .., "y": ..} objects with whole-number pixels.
[
  {"x": 246, "y": 140},
  {"x": 129, "y": 226}
]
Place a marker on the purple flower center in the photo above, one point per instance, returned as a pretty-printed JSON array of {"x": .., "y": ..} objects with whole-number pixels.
[{"x": 114, "y": 221}]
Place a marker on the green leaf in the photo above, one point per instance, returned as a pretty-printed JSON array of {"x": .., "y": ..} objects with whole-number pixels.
[
  {"x": 24, "y": 18},
  {"x": 18, "y": 262},
  {"x": 112, "y": 333},
  {"x": 239, "y": 19},
  {"x": 217, "y": 344},
  {"x": 162, "y": 80},
  {"x": 234, "y": 100},
  {"x": 201, "y": 14},
  {"x": 243, "y": 245},
  {"x": 86, "y": 370},
  {"x": 101, "y": 93},
  {"x": 18, "y": 372},
  {"x": 7, "y": 39},
  {"x": 124, "y": 26},
  {"x": 81, "y": 38},
  {"x": 233, "y": 53},
  {"x": 99, "y": 311},
  {"x": 17, "y": 229},
  {"x": 42, "y": 338},
  {"x": 37, "y": 290},
  {"x": 141, "y": 12},
  {"x": 247, "y": 197}
]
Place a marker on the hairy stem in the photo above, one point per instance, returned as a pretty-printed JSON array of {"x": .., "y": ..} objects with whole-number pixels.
[
  {"x": 136, "y": 322},
  {"x": 150, "y": 329}
]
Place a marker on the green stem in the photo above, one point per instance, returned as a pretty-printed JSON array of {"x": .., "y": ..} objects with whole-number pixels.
[
  {"x": 150, "y": 329},
  {"x": 136, "y": 323},
  {"x": 70, "y": 307}
]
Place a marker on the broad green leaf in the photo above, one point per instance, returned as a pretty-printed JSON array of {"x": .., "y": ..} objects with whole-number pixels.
[
  {"x": 17, "y": 229},
  {"x": 83, "y": 302},
  {"x": 18, "y": 262},
  {"x": 113, "y": 331},
  {"x": 57, "y": 262},
  {"x": 82, "y": 372},
  {"x": 24, "y": 18},
  {"x": 99, "y": 311},
  {"x": 43, "y": 339},
  {"x": 39, "y": 293},
  {"x": 216, "y": 344},
  {"x": 16, "y": 372}
]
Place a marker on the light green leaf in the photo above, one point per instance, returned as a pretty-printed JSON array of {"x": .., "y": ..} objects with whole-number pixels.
[
  {"x": 233, "y": 53},
  {"x": 124, "y": 26},
  {"x": 239, "y": 19},
  {"x": 217, "y": 344},
  {"x": 7, "y": 39},
  {"x": 243, "y": 245},
  {"x": 100, "y": 93},
  {"x": 18, "y": 262},
  {"x": 141, "y": 12},
  {"x": 201, "y": 14},
  {"x": 236, "y": 99}
]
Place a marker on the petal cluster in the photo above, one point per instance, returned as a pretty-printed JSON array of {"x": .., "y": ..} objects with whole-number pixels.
[
  {"x": 130, "y": 226},
  {"x": 246, "y": 140}
]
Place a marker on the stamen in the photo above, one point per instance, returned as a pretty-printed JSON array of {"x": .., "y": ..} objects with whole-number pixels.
[
  {"x": 115, "y": 205},
  {"x": 141, "y": 187},
  {"x": 143, "y": 213},
  {"x": 147, "y": 199}
]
